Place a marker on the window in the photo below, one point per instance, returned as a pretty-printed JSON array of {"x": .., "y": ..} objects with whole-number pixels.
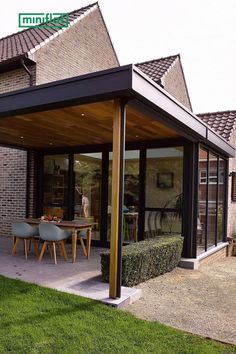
[
  {"x": 87, "y": 192},
  {"x": 233, "y": 192},
  {"x": 164, "y": 191},
  {"x": 55, "y": 186},
  {"x": 212, "y": 176},
  {"x": 211, "y": 200}
]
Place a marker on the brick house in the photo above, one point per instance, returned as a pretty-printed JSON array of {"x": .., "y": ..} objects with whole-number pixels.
[
  {"x": 166, "y": 142},
  {"x": 37, "y": 56}
]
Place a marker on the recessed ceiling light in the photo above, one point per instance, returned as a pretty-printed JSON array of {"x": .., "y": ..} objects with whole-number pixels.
[
  {"x": 50, "y": 143},
  {"x": 21, "y": 137},
  {"x": 136, "y": 136},
  {"x": 82, "y": 114}
]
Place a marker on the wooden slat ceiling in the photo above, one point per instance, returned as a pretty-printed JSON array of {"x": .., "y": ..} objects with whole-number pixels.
[{"x": 77, "y": 125}]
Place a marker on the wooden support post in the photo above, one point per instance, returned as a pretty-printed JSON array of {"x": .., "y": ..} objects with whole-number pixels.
[{"x": 117, "y": 198}]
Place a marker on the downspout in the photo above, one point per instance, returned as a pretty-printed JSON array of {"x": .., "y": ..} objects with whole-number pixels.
[{"x": 28, "y": 72}]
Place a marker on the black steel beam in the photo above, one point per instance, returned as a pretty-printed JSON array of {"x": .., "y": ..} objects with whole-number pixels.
[
  {"x": 125, "y": 81},
  {"x": 147, "y": 91},
  {"x": 102, "y": 85}
]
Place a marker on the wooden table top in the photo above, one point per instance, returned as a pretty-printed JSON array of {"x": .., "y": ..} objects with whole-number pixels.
[{"x": 66, "y": 223}]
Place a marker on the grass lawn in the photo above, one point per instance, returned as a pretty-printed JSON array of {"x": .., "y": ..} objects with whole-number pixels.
[{"x": 38, "y": 320}]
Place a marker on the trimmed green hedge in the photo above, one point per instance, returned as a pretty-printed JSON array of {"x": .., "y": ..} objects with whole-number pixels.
[{"x": 146, "y": 259}]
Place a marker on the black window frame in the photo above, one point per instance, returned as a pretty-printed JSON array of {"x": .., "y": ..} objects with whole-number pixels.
[{"x": 225, "y": 212}]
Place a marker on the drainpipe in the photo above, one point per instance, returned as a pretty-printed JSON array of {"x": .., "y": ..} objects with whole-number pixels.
[{"x": 28, "y": 71}]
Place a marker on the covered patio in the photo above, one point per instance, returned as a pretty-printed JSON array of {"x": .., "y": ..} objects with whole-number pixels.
[
  {"x": 103, "y": 116},
  {"x": 80, "y": 278}
]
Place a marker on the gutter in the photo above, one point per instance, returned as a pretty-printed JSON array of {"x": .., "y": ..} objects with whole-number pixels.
[{"x": 27, "y": 71}]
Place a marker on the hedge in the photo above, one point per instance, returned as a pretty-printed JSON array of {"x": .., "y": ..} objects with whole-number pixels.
[{"x": 146, "y": 259}]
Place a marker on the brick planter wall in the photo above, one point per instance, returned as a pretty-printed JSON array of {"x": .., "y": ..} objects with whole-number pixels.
[{"x": 221, "y": 254}]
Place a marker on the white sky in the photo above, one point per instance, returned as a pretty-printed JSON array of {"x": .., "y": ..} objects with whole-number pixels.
[{"x": 202, "y": 31}]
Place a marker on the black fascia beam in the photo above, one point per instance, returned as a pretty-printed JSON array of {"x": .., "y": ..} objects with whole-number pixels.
[
  {"x": 147, "y": 91},
  {"x": 215, "y": 140},
  {"x": 102, "y": 85}
]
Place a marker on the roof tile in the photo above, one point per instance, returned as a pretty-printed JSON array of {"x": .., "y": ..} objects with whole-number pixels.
[
  {"x": 20, "y": 43},
  {"x": 157, "y": 68},
  {"x": 222, "y": 122}
]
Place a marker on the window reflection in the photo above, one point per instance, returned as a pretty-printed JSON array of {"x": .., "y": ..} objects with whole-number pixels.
[
  {"x": 211, "y": 208},
  {"x": 221, "y": 200},
  {"x": 202, "y": 200},
  {"x": 131, "y": 196},
  {"x": 87, "y": 194},
  {"x": 55, "y": 186},
  {"x": 164, "y": 187},
  {"x": 212, "y": 203}
]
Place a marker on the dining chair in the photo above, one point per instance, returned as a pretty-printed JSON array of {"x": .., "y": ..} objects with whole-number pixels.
[
  {"x": 53, "y": 235},
  {"x": 82, "y": 234},
  {"x": 25, "y": 232}
]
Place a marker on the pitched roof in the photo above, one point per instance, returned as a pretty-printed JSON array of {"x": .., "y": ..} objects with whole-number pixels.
[
  {"x": 157, "y": 68},
  {"x": 29, "y": 40},
  {"x": 222, "y": 122}
]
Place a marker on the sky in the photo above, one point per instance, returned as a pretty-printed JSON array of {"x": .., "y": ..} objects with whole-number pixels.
[{"x": 203, "y": 32}]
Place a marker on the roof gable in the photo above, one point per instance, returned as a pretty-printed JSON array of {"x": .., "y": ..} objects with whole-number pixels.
[
  {"x": 156, "y": 69},
  {"x": 222, "y": 122},
  {"x": 26, "y": 42}
]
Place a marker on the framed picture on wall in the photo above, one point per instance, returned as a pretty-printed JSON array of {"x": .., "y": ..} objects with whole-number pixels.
[{"x": 165, "y": 180}]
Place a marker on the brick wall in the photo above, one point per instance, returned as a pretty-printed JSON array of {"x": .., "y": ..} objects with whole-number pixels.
[
  {"x": 221, "y": 254},
  {"x": 16, "y": 79},
  {"x": 13, "y": 164},
  {"x": 32, "y": 187},
  {"x": 83, "y": 48},
  {"x": 174, "y": 83}
]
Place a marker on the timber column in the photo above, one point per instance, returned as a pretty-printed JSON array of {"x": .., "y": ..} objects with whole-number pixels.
[{"x": 118, "y": 150}]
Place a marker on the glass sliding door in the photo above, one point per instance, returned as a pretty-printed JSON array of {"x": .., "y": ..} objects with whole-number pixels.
[
  {"x": 131, "y": 196},
  {"x": 202, "y": 200},
  {"x": 163, "y": 191},
  {"x": 55, "y": 186},
  {"x": 221, "y": 200},
  {"x": 87, "y": 193},
  {"x": 211, "y": 200}
]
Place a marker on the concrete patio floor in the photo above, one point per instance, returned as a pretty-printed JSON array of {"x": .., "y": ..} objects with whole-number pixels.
[{"x": 80, "y": 278}]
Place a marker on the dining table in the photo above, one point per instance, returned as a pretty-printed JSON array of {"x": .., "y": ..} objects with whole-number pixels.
[{"x": 74, "y": 227}]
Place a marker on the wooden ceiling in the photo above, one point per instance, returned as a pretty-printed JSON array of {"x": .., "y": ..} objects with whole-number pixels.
[{"x": 77, "y": 125}]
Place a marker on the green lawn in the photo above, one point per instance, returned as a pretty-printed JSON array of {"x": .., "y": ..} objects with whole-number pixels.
[{"x": 38, "y": 320}]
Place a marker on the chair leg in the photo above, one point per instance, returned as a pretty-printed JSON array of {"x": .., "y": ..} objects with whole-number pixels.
[
  {"x": 54, "y": 252},
  {"x": 26, "y": 248},
  {"x": 17, "y": 240},
  {"x": 29, "y": 246},
  {"x": 35, "y": 248},
  {"x": 63, "y": 250},
  {"x": 42, "y": 251},
  {"x": 88, "y": 243},
  {"x": 83, "y": 247},
  {"x": 60, "y": 249},
  {"x": 13, "y": 241}
]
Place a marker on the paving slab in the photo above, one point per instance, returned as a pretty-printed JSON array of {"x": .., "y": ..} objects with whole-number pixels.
[{"x": 80, "y": 278}]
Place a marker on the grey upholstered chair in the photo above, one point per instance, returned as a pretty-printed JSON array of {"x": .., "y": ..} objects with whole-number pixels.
[
  {"x": 82, "y": 234},
  {"x": 53, "y": 235},
  {"x": 25, "y": 232}
]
